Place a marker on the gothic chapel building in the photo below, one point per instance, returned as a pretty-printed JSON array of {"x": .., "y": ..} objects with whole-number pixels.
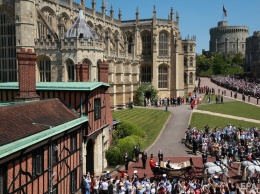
[{"x": 66, "y": 36}]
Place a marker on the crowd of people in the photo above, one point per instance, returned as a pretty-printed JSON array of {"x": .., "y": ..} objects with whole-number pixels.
[
  {"x": 126, "y": 184},
  {"x": 243, "y": 86},
  {"x": 229, "y": 141}
]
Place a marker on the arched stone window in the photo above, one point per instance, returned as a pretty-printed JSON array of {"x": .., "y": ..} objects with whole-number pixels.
[
  {"x": 129, "y": 39},
  {"x": 48, "y": 15},
  {"x": 185, "y": 78},
  {"x": 191, "y": 61},
  {"x": 42, "y": 30},
  {"x": 45, "y": 70},
  {"x": 163, "y": 44},
  {"x": 8, "y": 66},
  {"x": 163, "y": 77},
  {"x": 146, "y": 74},
  {"x": 185, "y": 62},
  {"x": 191, "y": 78},
  {"x": 70, "y": 70},
  {"x": 146, "y": 44}
]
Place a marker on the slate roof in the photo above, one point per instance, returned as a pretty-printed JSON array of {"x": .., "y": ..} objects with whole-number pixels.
[
  {"x": 22, "y": 120},
  {"x": 81, "y": 27}
]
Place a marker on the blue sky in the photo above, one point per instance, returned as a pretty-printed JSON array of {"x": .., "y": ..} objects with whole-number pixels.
[{"x": 196, "y": 16}]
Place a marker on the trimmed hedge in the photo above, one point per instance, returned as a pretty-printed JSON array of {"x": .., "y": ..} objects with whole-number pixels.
[
  {"x": 126, "y": 128},
  {"x": 125, "y": 138},
  {"x": 115, "y": 154}
]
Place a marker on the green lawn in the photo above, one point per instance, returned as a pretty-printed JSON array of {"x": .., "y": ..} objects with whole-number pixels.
[
  {"x": 150, "y": 120},
  {"x": 199, "y": 121},
  {"x": 235, "y": 108},
  {"x": 212, "y": 98}
]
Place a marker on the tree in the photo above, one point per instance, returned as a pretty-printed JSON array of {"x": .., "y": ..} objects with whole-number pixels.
[
  {"x": 146, "y": 91},
  {"x": 219, "y": 64},
  {"x": 238, "y": 59}
]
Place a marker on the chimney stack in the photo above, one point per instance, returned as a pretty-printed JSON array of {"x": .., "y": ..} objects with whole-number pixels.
[
  {"x": 27, "y": 78},
  {"x": 103, "y": 71},
  {"x": 82, "y": 72}
]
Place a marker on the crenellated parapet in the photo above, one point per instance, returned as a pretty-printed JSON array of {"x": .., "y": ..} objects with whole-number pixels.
[
  {"x": 69, "y": 44},
  {"x": 45, "y": 44},
  {"x": 226, "y": 39}
]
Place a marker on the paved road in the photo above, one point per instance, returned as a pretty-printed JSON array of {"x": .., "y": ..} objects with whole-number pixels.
[
  {"x": 207, "y": 82},
  {"x": 170, "y": 139}
]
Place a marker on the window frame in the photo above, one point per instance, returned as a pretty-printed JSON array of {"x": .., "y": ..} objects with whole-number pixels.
[
  {"x": 163, "y": 77},
  {"x": 73, "y": 142},
  {"x": 191, "y": 61},
  {"x": 191, "y": 78},
  {"x": 146, "y": 74},
  {"x": 38, "y": 162},
  {"x": 45, "y": 70},
  {"x": 8, "y": 61},
  {"x": 146, "y": 44},
  {"x": 129, "y": 39},
  {"x": 97, "y": 108},
  {"x": 71, "y": 71},
  {"x": 163, "y": 44},
  {"x": 73, "y": 181}
]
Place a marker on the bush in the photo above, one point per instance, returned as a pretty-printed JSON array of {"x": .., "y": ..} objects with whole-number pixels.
[
  {"x": 128, "y": 143},
  {"x": 114, "y": 156},
  {"x": 126, "y": 128}
]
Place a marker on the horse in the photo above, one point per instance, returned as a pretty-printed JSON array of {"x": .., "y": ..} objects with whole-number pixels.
[
  {"x": 220, "y": 170},
  {"x": 225, "y": 161},
  {"x": 243, "y": 165},
  {"x": 252, "y": 169}
]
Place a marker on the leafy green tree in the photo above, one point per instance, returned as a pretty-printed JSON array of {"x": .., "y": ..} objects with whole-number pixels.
[
  {"x": 219, "y": 64},
  {"x": 238, "y": 59},
  {"x": 146, "y": 91},
  {"x": 126, "y": 128}
]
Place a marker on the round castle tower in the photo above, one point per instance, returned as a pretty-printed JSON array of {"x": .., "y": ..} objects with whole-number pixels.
[{"x": 228, "y": 39}]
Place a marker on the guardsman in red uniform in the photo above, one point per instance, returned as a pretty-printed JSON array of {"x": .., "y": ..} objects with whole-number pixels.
[{"x": 152, "y": 163}]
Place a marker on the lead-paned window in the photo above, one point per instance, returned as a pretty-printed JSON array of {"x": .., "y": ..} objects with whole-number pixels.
[
  {"x": 38, "y": 158},
  {"x": 163, "y": 44},
  {"x": 146, "y": 44},
  {"x": 97, "y": 108},
  {"x": 45, "y": 70},
  {"x": 8, "y": 62},
  {"x": 71, "y": 71},
  {"x": 73, "y": 142},
  {"x": 162, "y": 77},
  {"x": 146, "y": 74},
  {"x": 73, "y": 181}
]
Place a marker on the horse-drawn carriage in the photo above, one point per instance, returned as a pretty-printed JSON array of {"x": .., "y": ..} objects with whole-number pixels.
[{"x": 183, "y": 169}]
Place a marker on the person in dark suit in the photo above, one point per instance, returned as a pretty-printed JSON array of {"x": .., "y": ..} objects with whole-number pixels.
[
  {"x": 136, "y": 153},
  {"x": 160, "y": 156},
  {"x": 204, "y": 157},
  {"x": 144, "y": 159},
  {"x": 195, "y": 145},
  {"x": 126, "y": 161}
]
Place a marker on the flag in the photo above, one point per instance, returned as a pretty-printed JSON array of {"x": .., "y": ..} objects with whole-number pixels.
[{"x": 225, "y": 11}]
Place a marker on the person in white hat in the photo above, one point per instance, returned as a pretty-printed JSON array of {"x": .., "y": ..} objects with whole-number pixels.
[
  {"x": 135, "y": 176},
  {"x": 108, "y": 176},
  {"x": 164, "y": 178}
]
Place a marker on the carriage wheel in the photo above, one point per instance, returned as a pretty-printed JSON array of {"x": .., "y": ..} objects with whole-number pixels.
[{"x": 190, "y": 175}]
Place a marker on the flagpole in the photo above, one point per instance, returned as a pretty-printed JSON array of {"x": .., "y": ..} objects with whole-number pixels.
[{"x": 222, "y": 14}]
